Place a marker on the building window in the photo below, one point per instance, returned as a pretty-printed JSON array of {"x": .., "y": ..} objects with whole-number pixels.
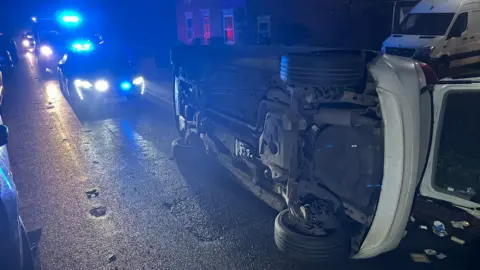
[
  {"x": 189, "y": 25},
  {"x": 228, "y": 26},
  {"x": 264, "y": 35},
  {"x": 206, "y": 25}
]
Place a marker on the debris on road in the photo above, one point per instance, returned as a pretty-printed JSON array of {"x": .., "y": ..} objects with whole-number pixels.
[
  {"x": 419, "y": 258},
  {"x": 50, "y": 107},
  {"x": 98, "y": 211},
  {"x": 460, "y": 224},
  {"x": 96, "y": 162},
  {"x": 430, "y": 252},
  {"x": 92, "y": 193},
  {"x": 457, "y": 240},
  {"x": 439, "y": 229},
  {"x": 112, "y": 258},
  {"x": 441, "y": 256},
  {"x": 412, "y": 219},
  {"x": 423, "y": 227}
]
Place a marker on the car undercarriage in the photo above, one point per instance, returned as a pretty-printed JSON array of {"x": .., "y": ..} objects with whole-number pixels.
[{"x": 302, "y": 130}]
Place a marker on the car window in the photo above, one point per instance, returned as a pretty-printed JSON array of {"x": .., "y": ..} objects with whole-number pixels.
[
  {"x": 99, "y": 59},
  {"x": 459, "y": 152}
]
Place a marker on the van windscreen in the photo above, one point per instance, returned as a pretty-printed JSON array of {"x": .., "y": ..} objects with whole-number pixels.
[{"x": 434, "y": 24}]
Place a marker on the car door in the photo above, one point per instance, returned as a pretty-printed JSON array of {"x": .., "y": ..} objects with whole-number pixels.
[
  {"x": 474, "y": 35},
  {"x": 457, "y": 43},
  {"x": 452, "y": 172}
]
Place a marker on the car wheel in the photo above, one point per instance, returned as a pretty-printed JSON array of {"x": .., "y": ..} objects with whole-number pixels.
[
  {"x": 332, "y": 246},
  {"x": 177, "y": 118},
  {"x": 28, "y": 263}
]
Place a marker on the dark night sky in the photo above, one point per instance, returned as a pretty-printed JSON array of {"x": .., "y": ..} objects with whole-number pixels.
[{"x": 144, "y": 22}]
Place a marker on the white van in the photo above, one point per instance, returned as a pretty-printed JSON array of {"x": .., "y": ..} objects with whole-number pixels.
[{"x": 441, "y": 33}]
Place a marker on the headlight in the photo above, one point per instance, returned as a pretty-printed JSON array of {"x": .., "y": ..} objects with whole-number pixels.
[
  {"x": 101, "y": 85},
  {"x": 45, "y": 50},
  {"x": 25, "y": 43},
  {"x": 82, "y": 84},
  {"x": 138, "y": 80}
]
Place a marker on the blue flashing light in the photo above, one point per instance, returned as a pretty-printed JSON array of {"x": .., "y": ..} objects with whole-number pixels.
[
  {"x": 82, "y": 46},
  {"x": 126, "y": 86},
  {"x": 69, "y": 18}
]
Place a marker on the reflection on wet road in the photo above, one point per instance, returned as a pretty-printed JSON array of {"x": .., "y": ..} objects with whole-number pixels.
[{"x": 105, "y": 194}]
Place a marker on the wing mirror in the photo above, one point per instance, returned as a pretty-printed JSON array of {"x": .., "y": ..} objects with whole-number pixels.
[{"x": 3, "y": 135}]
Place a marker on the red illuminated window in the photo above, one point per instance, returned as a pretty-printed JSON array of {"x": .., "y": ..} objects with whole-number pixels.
[
  {"x": 206, "y": 26},
  {"x": 229, "y": 28}
]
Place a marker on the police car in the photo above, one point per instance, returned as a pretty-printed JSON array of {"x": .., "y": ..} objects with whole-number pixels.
[{"x": 91, "y": 74}]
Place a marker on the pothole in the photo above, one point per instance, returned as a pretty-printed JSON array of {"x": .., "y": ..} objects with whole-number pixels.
[{"x": 98, "y": 211}]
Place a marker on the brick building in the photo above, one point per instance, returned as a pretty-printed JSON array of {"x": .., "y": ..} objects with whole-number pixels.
[{"x": 331, "y": 23}]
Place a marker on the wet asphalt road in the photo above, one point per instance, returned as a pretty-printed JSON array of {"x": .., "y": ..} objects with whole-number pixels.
[{"x": 157, "y": 215}]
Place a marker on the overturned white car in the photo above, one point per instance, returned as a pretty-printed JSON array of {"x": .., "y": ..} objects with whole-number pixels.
[{"x": 340, "y": 142}]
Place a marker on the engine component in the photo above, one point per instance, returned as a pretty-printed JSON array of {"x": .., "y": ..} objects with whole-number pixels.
[
  {"x": 276, "y": 143},
  {"x": 346, "y": 118},
  {"x": 323, "y": 68}
]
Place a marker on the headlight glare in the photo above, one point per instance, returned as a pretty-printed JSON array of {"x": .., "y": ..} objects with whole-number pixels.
[
  {"x": 26, "y": 43},
  {"x": 82, "y": 84},
  {"x": 101, "y": 85},
  {"x": 45, "y": 50},
  {"x": 138, "y": 80}
]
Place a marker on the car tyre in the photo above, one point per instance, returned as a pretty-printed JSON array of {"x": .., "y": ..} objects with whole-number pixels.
[
  {"x": 323, "y": 68},
  {"x": 334, "y": 246}
]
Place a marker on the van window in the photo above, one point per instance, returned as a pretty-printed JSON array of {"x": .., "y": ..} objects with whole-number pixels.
[
  {"x": 460, "y": 24},
  {"x": 431, "y": 24},
  {"x": 474, "y": 22}
]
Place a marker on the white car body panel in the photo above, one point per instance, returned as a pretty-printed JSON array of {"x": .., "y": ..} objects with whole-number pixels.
[
  {"x": 399, "y": 82},
  {"x": 439, "y": 6}
]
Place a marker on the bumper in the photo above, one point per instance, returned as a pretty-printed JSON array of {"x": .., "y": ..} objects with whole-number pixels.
[
  {"x": 92, "y": 97},
  {"x": 399, "y": 84}
]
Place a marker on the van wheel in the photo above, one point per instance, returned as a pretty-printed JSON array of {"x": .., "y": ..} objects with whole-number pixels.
[
  {"x": 332, "y": 246},
  {"x": 443, "y": 67}
]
